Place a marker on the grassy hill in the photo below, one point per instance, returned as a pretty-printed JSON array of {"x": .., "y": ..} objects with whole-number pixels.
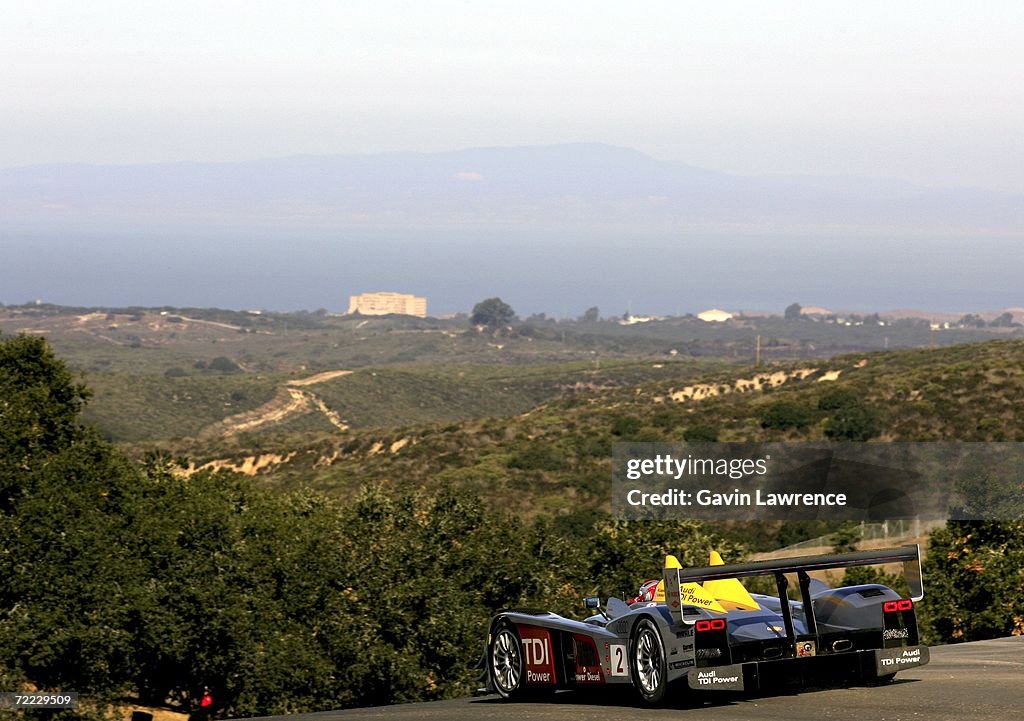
[
  {"x": 174, "y": 373},
  {"x": 555, "y": 458}
]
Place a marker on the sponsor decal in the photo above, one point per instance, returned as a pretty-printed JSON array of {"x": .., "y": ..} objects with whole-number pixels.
[
  {"x": 805, "y": 649},
  {"x": 727, "y": 678},
  {"x": 618, "y": 659},
  {"x": 706, "y": 653},
  {"x": 540, "y": 667},
  {"x": 907, "y": 657},
  {"x": 691, "y": 597},
  {"x": 676, "y": 665},
  {"x": 892, "y": 660},
  {"x": 893, "y": 633},
  {"x": 585, "y": 674}
]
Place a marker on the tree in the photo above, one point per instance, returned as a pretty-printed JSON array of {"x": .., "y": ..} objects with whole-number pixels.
[
  {"x": 591, "y": 315},
  {"x": 851, "y": 417},
  {"x": 493, "y": 313},
  {"x": 971, "y": 320},
  {"x": 66, "y": 565},
  {"x": 1003, "y": 321},
  {"x": 975, "y": 584},
  {"x": 39, "y": 399},
  {"x": 792, "y": 311}
]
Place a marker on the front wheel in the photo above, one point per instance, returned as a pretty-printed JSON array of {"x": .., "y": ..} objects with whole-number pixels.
[
  {"x": 647, "y": 662},
  {"x": 505, "y": 661}
]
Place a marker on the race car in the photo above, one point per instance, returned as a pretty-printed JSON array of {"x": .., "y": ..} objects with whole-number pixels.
[{"x": 700, "y": 628}]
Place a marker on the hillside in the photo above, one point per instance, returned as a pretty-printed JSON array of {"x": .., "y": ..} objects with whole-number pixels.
[
  {"x": 555, "y": 458},
  {"x": 175, "y": 373}
]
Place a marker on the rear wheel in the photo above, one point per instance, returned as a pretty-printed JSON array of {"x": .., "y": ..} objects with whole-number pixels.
[
  {"x": 647, "y": 662},
  {"x": 505, "y": 660}
]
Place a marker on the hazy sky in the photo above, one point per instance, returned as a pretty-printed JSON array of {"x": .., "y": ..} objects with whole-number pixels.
[{"x": 926, "y": 91}]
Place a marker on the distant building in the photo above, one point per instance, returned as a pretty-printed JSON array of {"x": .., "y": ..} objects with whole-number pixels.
[
  {"x": 715, "y": 316},
  {"x": 631, "y": 319},
  {"x": 812, "y": 310},
  {"x": 387, "y": 303}
]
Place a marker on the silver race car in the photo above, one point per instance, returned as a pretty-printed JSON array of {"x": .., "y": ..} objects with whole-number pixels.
[{"x": 701, "y": 628}]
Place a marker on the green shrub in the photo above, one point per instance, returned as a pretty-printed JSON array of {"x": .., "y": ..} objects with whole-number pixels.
[
  {"x": 701, "y": 433},
  {"x": 626, "y": 426},
  {"x": 223, "y": 364},
  {"x": 538, "y": 456},
  {"x": 785, "y": 414},
  {"x": 854, "y": 422}
]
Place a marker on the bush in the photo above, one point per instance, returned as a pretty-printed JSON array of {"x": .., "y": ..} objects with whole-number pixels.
[
  {"x": 223, "y": 364},
  {"x": 626, "y": 426},
  {"x": 838, "y": 398},
  {"x": 538, "y": 456},
  {"x": 784, "y": 414},
  {"x": 701, "y": 433},
  {"x": 855, "y": 422}
]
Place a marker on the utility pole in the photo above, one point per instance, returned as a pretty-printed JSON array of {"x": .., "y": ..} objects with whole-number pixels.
[{"x": 757, "y": 352}]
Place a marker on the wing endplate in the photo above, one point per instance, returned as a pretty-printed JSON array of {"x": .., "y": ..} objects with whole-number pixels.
[{"x": 679, "y": 594}]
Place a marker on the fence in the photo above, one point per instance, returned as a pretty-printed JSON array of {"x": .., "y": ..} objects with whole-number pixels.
[{"x": 895, "y": 530}]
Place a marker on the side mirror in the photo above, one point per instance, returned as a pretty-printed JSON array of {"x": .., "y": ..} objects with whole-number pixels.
[{"x": 592, "y": 603}]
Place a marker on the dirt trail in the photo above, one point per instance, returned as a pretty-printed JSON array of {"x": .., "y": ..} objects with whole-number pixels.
[
  {"x": 318, "y": 378},
  {"x": 291, "y": 400}
]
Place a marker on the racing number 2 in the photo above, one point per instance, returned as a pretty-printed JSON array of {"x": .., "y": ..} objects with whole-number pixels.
[{"x": 618, "y": 660}]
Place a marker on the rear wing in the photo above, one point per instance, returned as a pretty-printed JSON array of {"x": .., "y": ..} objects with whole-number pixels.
[{"x": 909, "y": 556}]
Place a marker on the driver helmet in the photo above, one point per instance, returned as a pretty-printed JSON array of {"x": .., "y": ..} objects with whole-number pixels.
[{"x": 647, "y": 591}]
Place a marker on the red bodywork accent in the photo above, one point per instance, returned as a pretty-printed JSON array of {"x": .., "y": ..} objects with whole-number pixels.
[{"x": 588, "y": 660}]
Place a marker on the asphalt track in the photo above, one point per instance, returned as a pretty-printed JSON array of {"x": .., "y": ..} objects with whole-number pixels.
[{"x": 980, "y": 681}]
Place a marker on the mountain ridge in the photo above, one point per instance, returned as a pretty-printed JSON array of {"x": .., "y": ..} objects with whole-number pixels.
[{"x": 575, "y": 185}]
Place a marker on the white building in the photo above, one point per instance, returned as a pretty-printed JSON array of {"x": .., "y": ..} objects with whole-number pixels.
[
  {"x": 386, "y": 303},
  {"x": 715, "y": 316}
]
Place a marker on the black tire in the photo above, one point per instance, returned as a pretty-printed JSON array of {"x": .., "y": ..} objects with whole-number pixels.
[
  {"x": 505, "y": 663},
  {"x": 647, "y": 665}
]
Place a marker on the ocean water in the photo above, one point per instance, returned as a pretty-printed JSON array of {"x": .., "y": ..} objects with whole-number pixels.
[{"x": 560, "y": 274}]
